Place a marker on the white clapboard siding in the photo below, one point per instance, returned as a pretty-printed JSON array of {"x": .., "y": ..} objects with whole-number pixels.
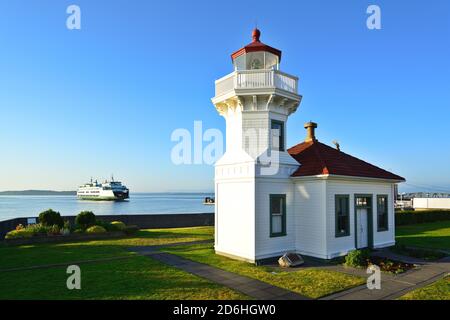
[
  {"x": 265, "y": 245},
  {"x": 341, "y": 245},
  {"x": 310, "y": 208},
  {"x": 235, "y": 219}
]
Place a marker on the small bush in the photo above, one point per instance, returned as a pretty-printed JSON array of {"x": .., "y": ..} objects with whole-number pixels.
[
  {"x": 130, "y": 230},
  {"x": 18, "y": 234},
  {"x": 79, "y": 230},
  {"x": 50, "y": 218},
  {"x": 96, "y": 229},
  {"x": 357, "y": 258},
  {"x": 54, "y": 230},
  {"x": 118, "y": 225},
  {"x": 38, "y": 229},
  {"x": 85, "y": 219}
]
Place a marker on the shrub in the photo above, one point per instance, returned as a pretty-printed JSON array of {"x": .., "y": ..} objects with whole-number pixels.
[
  {"x": 130, "y": 230},
  {"x": 38, "y": 228},
  {"x": 104, "y": 224},
  {"x": 118, "y": 225},
  {"x": 79, "y": 230},
  {"x": 54, "y": 230},
  {"x": 85, "y": 219},
  {"x": 96, "y": 229},
  {"x": 18, "y": 234},
  {"x": 413, "y": 217},
  {"x": 50, "y": 218},
  {"x": 357, "y": 258}
]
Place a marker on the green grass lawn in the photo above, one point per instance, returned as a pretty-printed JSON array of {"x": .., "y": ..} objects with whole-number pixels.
[
  {"x": 137, "y": 277},
  {"x": 313, "y": 283},
  {"x": 440, "y": 290},
  {"x": 44, "y": 254},
  {"x": 134, "y": 277},
  {"x": 435, "y": 235}
]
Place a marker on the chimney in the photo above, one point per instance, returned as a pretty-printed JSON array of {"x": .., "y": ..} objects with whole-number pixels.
[{"x": 310, "y": 135}]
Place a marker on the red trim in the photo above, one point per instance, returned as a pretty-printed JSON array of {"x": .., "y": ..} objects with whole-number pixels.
[{"x": 255, "y": 47}]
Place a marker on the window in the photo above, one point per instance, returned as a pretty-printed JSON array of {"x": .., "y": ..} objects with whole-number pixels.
[
  {"x": 342, "y": 210},
  {"x": 382, "y": 213},
  {"x": 277, "y": 135},
  {"x": 277, "y": 215}
]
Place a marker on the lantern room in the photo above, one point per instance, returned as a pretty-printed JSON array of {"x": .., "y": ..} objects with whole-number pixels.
[{"x": 256, "y": 55}]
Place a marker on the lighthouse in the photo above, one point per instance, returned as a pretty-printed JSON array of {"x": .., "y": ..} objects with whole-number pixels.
[
  {"x": 311, "y": 199},
  {"x": 256, "y": 100}
]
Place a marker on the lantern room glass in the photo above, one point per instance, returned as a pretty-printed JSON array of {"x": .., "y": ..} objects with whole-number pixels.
[{"x": 256, "y": 60}]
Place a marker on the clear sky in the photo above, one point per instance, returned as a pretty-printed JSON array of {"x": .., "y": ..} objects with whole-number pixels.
[{"x": 105, "y": 99}]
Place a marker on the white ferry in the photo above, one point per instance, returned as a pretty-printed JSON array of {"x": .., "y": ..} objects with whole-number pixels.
[{"x": 108, "y": 190}]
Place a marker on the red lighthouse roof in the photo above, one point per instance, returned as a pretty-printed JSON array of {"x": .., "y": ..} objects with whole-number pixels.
[{"x": 255, "y": 46}]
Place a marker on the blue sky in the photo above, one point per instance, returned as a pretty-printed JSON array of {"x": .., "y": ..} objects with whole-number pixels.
[{"x": 105, "y": 99}]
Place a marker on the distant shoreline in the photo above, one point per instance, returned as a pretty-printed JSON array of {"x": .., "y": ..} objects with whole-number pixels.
[
  {"x": 74, "y": 193},
  {"x": 38, "y": 193}
]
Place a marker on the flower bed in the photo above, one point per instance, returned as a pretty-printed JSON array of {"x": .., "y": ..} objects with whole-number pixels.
[
  {"x": 63, "y": 238},
  {"x": 391, "y": 266},
  {"x": 362, "y": 258},
  {"x": 52, "y": 228}
]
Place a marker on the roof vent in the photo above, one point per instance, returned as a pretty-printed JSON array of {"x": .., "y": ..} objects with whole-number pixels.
[
  {"x": 310, "y": 131},
  {"x": 338, "y": 146}
]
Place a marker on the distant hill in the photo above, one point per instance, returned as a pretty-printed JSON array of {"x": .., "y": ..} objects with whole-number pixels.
[{"x": 38, "y": 193}]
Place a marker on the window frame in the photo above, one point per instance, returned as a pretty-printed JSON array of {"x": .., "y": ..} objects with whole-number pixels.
[
  {"x": 384, "y": 228},
  {"x": 281, "y": 146},
  {"x": 283, "y": 215},
  {"x": 337, "y": 232}
]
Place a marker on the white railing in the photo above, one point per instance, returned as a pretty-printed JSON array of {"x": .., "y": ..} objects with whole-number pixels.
[{"x": 256, "y": 79}]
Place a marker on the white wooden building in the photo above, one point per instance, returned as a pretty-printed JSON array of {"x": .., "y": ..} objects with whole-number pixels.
[{"x": 312, "y": 199}]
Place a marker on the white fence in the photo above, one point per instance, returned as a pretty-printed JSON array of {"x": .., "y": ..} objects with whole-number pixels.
[{"x": 431, "y": 203}]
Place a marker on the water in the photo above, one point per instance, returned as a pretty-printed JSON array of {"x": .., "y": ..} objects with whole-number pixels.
[{"x": 139, "y": 203}]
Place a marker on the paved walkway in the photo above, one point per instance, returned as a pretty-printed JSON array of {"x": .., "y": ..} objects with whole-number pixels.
[
  {"x": 251, "y": 287},
  {"x": 394, "y": 286}
]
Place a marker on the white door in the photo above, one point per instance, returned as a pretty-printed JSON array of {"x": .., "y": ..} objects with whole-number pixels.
[{"x": 362, "y": 234}]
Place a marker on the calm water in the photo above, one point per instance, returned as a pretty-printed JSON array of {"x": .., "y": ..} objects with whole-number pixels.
[{"x": 139, "y": 203}]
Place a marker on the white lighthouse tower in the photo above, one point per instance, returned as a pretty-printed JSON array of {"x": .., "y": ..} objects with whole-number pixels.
[{"x": 252, "y": 179}]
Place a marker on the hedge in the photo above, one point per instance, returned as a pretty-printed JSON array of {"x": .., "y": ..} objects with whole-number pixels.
[{"x": 412, "y": 217}]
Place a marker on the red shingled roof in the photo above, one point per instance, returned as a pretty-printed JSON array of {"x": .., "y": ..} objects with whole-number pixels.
[{"x": 316, "y": 158}]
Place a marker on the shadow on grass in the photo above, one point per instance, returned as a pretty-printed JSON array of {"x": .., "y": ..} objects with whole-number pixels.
[{"x": 47, "y": 254}]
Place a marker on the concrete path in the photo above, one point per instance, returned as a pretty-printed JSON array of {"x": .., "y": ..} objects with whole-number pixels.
[
  {"x": 251, "y": 287},
  {"x": 394, "y": 286}
]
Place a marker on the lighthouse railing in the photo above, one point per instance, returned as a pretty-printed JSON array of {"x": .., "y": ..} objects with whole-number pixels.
[{"x": 256, "y": 79}]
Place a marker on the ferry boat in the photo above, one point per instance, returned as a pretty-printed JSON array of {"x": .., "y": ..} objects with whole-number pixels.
[{"x": 108, "y": 190}]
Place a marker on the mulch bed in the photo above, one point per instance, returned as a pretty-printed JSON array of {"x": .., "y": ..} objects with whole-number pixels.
[{"x": 391, "y": 266}]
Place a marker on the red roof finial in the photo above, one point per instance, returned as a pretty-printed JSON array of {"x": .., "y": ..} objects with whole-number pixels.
[{"x": 256, "y": 34}]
